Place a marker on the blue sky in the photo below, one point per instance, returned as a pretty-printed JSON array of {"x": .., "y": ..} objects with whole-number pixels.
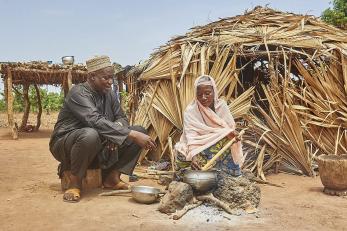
[{"x": 127, "y": 31}]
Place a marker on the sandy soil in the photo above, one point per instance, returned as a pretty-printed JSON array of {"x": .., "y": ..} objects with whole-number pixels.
[
  {"x": 31, "y": 199},
  {"x": 47, "y": 120}
]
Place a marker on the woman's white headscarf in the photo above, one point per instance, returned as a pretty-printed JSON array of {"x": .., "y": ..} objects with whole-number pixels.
[{"x": 203, "y": 127}]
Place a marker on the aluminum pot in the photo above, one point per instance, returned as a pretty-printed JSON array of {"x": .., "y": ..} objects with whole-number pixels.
[
  {"x": 201, "y": 181},
  {"x": 68, "y": 60},
  {"x": 145, "y": 194}
]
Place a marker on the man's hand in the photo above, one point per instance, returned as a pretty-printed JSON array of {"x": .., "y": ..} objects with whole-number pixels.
[
  {"x": 143, "y": 140},
  {"x": 195, "y": 163}
]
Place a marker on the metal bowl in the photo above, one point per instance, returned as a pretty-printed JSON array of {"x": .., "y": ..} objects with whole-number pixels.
[
  {"x": 145, "y": 194},
  {"x": 201, "y": 181},
  {"x": 68, "y": 60}
]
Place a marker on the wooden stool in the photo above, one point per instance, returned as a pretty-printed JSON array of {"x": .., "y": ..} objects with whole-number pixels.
[{"x": 92, "y": 180}]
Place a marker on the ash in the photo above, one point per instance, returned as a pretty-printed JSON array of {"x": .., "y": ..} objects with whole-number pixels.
[
  {"x": 206, "y": 213},
  {"x": 239, "y": 192}
]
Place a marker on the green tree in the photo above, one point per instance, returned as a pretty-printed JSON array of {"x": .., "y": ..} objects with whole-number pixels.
[
  {"x": 336, "y": 16},
  {"x": 2, "y": 102},
  {"x": 51, "y": 101}
]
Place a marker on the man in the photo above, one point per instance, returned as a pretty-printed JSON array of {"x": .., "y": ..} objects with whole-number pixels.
[{"x": 91, "y": 125}]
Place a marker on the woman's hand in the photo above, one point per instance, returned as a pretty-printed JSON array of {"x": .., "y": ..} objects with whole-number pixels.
[
  {"x": 234, "y": 134},
  {"x": 195, "y": 163}
]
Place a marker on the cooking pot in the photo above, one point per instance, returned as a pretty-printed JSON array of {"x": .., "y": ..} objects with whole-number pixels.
[
  {"x": 145, "y": 194},
  {"x": 201, "y": 181},
  {"x": 68, "y": 60}
]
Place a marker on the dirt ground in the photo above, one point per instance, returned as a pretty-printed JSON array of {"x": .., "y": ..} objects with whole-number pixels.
[
  {"x": 47, "y": 120},
  {"x": 31, "y": 199}
]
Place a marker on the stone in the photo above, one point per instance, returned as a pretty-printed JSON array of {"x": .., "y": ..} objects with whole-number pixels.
[
  {"x": 92, "y": 180},
  {"x": 178, "y": 195}
]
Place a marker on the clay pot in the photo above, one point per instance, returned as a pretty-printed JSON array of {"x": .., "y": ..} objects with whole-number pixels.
[{"x": 333, "y": 172}]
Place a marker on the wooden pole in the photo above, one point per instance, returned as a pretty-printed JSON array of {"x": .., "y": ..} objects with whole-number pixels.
[
  {"x": 212, "y": 161},
  {"x": 26, "y": 106},
  {"x": 5, "y": 91},
  {"x": 172, "y": 155},
  {"x": 120, "y": 84},
  {"x": 39, "y": 105},
  {"x": 152, "y": 98},
  {"x": 65, "y": 86},
  {"x": 69, "y": 80},
  {"x": 10, "y": 106}
]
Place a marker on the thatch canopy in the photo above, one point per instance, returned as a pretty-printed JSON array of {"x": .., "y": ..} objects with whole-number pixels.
[
  {"x": 262, "y": 31},
  {"x": 39, "y": 73},
  {"x": 43, "y": 73},
  {"x": 36, "y": 73},
  {"x": 283, "y": 75}
]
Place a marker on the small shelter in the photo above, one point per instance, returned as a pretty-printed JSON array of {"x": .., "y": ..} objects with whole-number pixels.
[
  {"x": 36, "y": 73},
  {"x": 283, "y": 75}
]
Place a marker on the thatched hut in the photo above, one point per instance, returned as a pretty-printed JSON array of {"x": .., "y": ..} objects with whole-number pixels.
[
  {"x": 36, "y": 73},
  {"x": 284, "y": 76}
]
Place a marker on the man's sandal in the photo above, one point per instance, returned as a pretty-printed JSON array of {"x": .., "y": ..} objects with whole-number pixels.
[{"x": 72, "y": 195}]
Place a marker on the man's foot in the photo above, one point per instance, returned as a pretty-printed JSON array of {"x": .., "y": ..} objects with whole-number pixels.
[
  {"x": 118, "y": 186},
  {"x": 72, "y": 195},
  {"x": 114, "y": 182}
]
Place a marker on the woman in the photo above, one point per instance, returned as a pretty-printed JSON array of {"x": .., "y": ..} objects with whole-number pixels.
[{"x": 208, "y": 125}]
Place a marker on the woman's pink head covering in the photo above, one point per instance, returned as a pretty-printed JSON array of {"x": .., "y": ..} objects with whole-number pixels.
[{"x": 209, "y": 81}]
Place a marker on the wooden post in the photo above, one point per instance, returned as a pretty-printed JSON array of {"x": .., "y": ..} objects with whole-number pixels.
[
  {"x": 172, "y": 155},
  {"x": 69, "y": 80},
  {"x": 64, "y": 85},
  {"x": 39, "y": 105},
  {"x": 10, "y": 106},
  {"x": 92, "y": 179},
  {"x": 26, "y": 106},
  {"x": 5, "y": 91}
]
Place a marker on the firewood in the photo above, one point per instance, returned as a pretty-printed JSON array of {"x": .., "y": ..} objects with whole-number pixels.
[
  {"x": 180, "y": 213},
  {"x": 159, "y": 172},
  {"x": 216, "y": 201},
  {"x": 115, "y": 192}
]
